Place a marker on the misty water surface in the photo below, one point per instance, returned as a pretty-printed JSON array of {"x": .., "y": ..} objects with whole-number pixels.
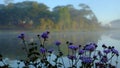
[{"x": 11, "y": 46}]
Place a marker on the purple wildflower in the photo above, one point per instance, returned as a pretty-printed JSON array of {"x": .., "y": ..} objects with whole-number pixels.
[
  {"x": 81, "y": 52},
  {"x": 107, "y": 51},
  {"x": 115, "y": 52},
  {"x": 21, "y": 36},
  {"x": 95, "y": 45},
  {"x": 57, "y": 43},
  {"x": 42, "y": 50},
  {"x": 50, "y": 50},
  {"x": 73, "y": 47},
  {"x": 44, "y": 35},
  {"x": 90, "y": 47},
  {"x": 72, "y": 57},
  {"x": 85, "y": 59},
  {"x": 76, "y": 47}
]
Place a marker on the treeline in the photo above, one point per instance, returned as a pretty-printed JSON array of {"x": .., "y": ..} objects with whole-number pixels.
[{"x": 34, "y": 15}]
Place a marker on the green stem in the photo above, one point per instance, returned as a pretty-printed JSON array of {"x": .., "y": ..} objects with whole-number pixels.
[
  {"x": 77, "y": 61},
  {"x": 25, "y": 46},
  {"x": 43, "y": 45},
  {"x": 111, "y": 57},
  {"x": 40, "y": 40}
]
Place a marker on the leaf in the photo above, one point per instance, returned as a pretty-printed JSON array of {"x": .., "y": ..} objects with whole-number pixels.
[
  {"x": 34, "y": 58},
  {"x": 33, "y": 53},
  {"x": 31, "y": 49}
]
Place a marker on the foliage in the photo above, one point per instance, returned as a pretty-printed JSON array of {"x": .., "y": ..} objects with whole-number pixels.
[
  {"x": 33, "y": 15},
  {"x": 78, "y": 56}
]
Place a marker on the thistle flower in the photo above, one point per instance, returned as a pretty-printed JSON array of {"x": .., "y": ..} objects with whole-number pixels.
[
  {"x": 57, "y": 43},
  {"x": 85, "y": 59},
  {"x": 90, "y": 47},
  {"x": 115, "y": 52},
  {"x": 94, "y": 45},
  {"x": 42, "y": 50},
  {"x": 76, "y": 47},
  {"x": 81, "y": 52},
  {"x": 107, "y": 51},
  {"x": 21, "y": 36},
  {"x": 72, "y": 57},
  {"x": 50, "y": 50},
  {"x": 73, "y": 47},
  {"x": 44, "y": 35}
]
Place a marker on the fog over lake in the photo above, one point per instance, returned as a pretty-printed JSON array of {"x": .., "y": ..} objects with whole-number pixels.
[{"x": 11, "y": 46}]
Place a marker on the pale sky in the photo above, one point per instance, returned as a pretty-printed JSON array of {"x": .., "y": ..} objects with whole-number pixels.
[{"x": 105, "y": 10}]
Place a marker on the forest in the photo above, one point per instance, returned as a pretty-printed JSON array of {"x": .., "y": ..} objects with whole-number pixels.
[{"x": 37, "y": 16}]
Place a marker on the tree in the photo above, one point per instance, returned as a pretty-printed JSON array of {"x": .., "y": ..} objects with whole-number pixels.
[
  {"x": 46, "y": 24},
  {"x": 31, "y": 14},
  {"x": 63, "y": 15}
]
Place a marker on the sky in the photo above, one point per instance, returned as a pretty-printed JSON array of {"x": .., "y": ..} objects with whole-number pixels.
[{"x": 105, "y": 10}]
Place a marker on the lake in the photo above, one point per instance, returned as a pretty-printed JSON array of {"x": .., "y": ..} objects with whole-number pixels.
[{"x": 11, "y": 46}]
